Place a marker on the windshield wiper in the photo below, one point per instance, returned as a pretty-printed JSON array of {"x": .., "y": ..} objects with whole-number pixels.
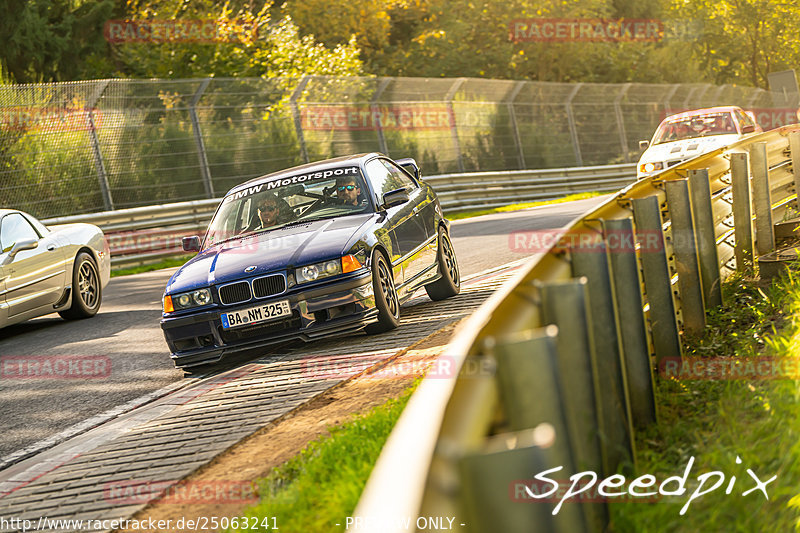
[{"x": 301, "y": 222}]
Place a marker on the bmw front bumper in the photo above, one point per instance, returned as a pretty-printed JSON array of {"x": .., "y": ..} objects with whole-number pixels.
[{"x": 336, "y": 308}]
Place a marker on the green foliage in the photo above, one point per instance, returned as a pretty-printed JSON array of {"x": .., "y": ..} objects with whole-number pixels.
[
  {"x": 321, "y": 486},
  {"x": 757, "y": 420},
  {"x": 54, "y": 40},
  {"x": 275, "y": 49}
]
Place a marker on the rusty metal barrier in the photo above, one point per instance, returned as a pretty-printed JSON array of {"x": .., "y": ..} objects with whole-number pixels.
[{"x": 565, "y": 350}]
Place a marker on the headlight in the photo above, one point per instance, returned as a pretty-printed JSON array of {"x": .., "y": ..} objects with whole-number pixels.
[
  {"x": 651, "y": 167},
  {"x": 326, "y": 269},
  {"x": 187, "y": 300}
]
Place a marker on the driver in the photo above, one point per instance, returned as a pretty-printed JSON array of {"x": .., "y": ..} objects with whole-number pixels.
[
  {"x": 348, "y": 190},
  {"x": 268, "y": 212}
]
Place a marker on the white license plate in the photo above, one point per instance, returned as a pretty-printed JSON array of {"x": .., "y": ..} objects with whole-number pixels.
[{"x": 255, "y": 315}]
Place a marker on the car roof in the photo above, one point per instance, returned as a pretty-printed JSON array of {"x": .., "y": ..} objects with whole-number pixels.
[
  {"x": 693, "y": 112},
  {"x": 355, "y": 159}
]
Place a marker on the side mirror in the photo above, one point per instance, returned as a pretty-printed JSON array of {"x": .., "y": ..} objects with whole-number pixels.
[
  {"x": 409, "y": 164},
  {"x": 748, "y": 129},
  {"x": 19, "y": 246},
  {"x": 191, "y": 244},
  {"x": 395, "y": 197},
  {"x": 643, "y": 145}
]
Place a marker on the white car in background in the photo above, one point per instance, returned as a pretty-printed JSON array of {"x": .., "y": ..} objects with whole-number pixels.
[
  {"x": 50, "y": 269},
  {"x": 686, "y": 135}
]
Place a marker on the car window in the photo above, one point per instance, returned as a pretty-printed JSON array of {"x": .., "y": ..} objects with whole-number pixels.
[
  {"x": 15, "y": 228},
  {"x": 384, "y": 179},
  {"x": 273, "y": 204},
  {"x": 399, "y": 175},
  {"x": 744, "y": 119}
]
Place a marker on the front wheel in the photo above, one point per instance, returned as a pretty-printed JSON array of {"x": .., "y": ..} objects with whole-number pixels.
[
  {"x": 86, "y": 289},
  {"x": 449, "y": 284},
  {"x": 385, "y": 296}
]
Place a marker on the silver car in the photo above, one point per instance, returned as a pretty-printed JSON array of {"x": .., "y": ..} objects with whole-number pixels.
[{"x": 46, "y": 269}]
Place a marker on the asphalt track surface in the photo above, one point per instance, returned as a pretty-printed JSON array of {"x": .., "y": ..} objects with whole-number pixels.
[{"x": 127, "y": 332}]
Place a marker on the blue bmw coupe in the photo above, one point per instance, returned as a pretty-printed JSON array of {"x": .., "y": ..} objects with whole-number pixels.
[{"x": 323, "y": 249}]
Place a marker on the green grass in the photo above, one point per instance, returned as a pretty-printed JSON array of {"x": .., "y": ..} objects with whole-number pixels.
[
  {"x": 517, "y": 207},
  {"x": 173, "y": 262},
  {"x": 755, "y": 419},
  {"x": 321, "y": 486}
]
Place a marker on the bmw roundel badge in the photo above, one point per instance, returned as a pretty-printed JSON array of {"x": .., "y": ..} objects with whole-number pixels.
[{"x": 250, "y": 268}]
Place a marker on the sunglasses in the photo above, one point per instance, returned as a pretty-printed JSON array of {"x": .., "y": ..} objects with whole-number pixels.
[
  {"x": 348, "y": 187},
  {"x": 267, "y": 207}
]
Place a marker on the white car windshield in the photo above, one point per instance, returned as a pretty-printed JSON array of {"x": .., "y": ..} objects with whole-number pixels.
[
  {"x": 287, "y": 201},
  {"x": 695, "y": 126}
]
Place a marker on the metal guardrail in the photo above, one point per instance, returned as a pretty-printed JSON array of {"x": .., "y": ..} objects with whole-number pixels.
[
  {"x": 142, "y": 235},
  {"x": 565, "y": 350}
]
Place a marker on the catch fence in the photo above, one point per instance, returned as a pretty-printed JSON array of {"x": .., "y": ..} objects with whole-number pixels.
[{"x": 89, "y": 146}]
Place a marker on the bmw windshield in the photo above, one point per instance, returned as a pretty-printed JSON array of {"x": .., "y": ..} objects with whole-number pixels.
[{"x": 286, "y": 201}]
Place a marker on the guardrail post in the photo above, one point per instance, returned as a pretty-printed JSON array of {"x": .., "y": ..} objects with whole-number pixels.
[
  {"x": 453, "y": 127},
  {"x": 627, "y": 283},
  {"x": 657, "y": 279},
  {"x": 703, "y": 214},
  {"x": 102, "y": 175},
  {"x": 684, "y": 248},
  {"x": 614, "y": 410},
  {"x": 530, "y": 388},
  {"x": 205, "y": 171},
  {"x": 794, "y": 149},
  {"x": 762, "y": 201},
  {"x": 564, "y": 304},
  {"x": 298, "y": 123},
  {"x": 742, "y": 214},
  {"x": 493, "y": 486}
]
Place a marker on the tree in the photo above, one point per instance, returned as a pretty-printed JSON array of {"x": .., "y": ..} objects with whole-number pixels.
[
  {"x": 53, "y": 40},
  {"x": 274, "y": 49}
]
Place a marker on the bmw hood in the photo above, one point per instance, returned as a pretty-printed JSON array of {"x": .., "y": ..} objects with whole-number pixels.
[{"x": 275, "y": 250}]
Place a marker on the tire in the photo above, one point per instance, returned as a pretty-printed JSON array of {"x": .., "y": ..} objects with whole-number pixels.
[
  {"x": 385, "y": 296},
  {"x": 86, "y": 289},
  {"x": 449, "y": 284}
]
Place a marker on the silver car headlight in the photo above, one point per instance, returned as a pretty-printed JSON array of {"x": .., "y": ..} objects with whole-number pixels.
[
  {"x": 187, "y": 300},
  {"x": 317, "y": 271}
]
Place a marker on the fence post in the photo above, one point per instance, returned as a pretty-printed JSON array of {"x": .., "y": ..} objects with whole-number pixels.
[
  {"x": 742, "y": 213},
  {"x": 205, "y": 171},
  {"x": 298, "y": 123},
  {"x": 623, "y": 137},
  {"x": 102, "y": 175},
  {"x": 573, "y": 130},
  {"x": 453, "y": 126},
  {"x": 684, "y": 248},
  {"x": 627, "y": 282},
  {"x": 512, "y": 113},
  {"x": 657, "y": 278},
  {"x": 592, "y": 262},
  {"x": 703, "y": 214},
  {"x": 762, "y": 199},
  {"x": 373, "y": 108}
]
